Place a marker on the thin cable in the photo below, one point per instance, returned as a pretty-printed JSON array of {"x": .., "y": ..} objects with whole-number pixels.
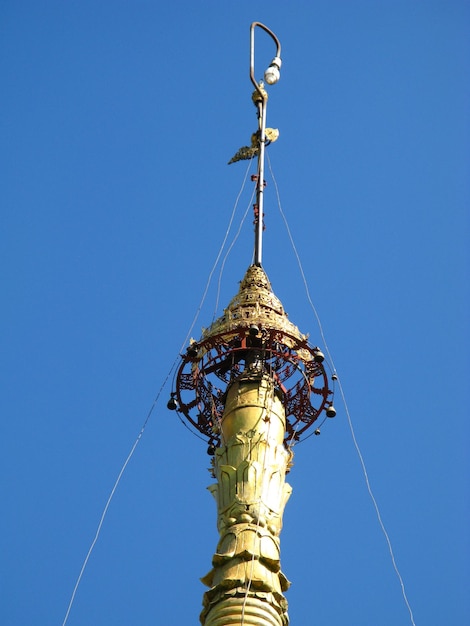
[
  {"x": 369, "y": 489},
  {"x": 144, "y": 425},
  {"x": 299, "y": 264},
  {"x": 356, "y": 445},
  {"x": 113, "y": 490},
  {"x": 217, "y": 258},
  {"x": 228, "y": 252}
]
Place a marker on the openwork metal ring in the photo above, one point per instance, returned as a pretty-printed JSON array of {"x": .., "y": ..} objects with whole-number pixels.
[{"x": 209, "y": 366}]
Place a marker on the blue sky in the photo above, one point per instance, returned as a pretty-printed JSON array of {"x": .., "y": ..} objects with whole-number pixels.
[{"x": 117, "y": 122}]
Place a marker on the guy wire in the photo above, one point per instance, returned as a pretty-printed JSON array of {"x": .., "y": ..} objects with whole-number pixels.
[
  {"x": 356, "y": 445},
  {"x": 113, "y": 490},
  {"x": 144, "y": 425},
  {"x": 228, "y": 252},
  {"x": 217, "y": 258}
]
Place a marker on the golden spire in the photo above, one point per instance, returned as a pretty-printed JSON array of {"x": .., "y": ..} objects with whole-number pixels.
[
  {"x": 252, "y": 385},
  {"x": 246, "y": 582}
]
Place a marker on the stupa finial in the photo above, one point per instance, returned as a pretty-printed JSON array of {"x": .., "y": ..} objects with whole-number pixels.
[
  {"x": 263, "y": 136},
  {"x": 251, "y": 386}
]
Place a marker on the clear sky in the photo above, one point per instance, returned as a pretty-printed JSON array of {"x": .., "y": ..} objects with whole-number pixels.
[{"x": 117, "y": 122}]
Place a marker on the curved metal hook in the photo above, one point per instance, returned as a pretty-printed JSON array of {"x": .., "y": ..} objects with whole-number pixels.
[
  {"x": 252, "y": 53},
  {"x": 261, "y": 106}
]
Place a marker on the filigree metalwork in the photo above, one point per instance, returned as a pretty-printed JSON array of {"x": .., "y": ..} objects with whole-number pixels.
[{"x": 254, "y": 337}]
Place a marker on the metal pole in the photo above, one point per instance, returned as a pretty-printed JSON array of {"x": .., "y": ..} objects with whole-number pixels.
[
  {"x": 260, "y": 188},
  {"x": 263, "y": 98}
]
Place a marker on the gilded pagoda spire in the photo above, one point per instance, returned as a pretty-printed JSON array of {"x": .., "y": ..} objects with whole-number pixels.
[{"x": 251, "y": 385}]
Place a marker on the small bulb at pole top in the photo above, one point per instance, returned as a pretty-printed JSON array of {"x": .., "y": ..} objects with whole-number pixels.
[{"x": 273, "y": 74}]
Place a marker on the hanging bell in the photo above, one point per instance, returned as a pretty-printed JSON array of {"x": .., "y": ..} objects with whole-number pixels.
[
  {"x": 318, "y": 356},
  {"x": 253, "y": 330},
  {"x": 316, "y": 431},
  {"x": 331, "y": 411},
  {"x": 192, "y": 351},
  {"x": 172, "y": 404}
]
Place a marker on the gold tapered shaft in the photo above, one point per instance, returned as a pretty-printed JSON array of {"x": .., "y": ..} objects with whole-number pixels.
[{"x": 246, "y": 582}]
